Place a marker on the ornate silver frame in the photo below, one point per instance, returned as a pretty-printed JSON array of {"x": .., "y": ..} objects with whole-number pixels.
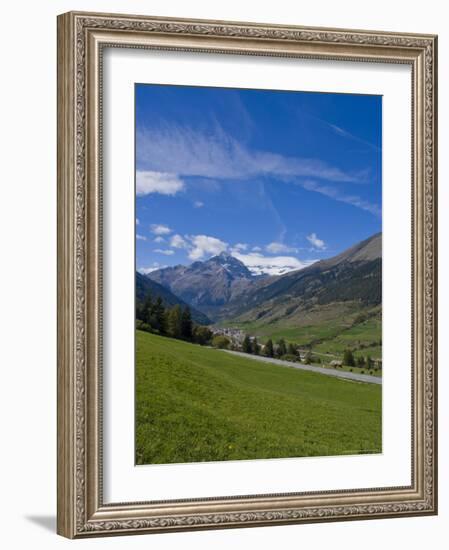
[{"x": 81, "y": 37}]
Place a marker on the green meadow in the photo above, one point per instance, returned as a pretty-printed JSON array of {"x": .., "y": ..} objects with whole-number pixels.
[
  {"x": 324, "y": 335},
  {"x": 196, "y": 404},
  {"x": 363, "y": 339}
]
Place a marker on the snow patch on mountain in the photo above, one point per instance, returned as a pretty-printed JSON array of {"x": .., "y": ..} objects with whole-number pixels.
[{"x": 258, "y": 264}]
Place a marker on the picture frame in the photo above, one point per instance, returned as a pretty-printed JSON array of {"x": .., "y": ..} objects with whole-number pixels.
[{"x": 82, "y": 40}]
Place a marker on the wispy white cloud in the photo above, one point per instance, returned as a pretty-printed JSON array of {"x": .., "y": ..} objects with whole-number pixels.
[
  {"x": 185, "y": 152},
  {"x": 344, "y": 133},
  {"x": 137, "y": 221},
  {"x": 336, "y": 194},
  {"x": 280, "y": 248},
  {"x": 259, "y": 264},
  {"x": 203, "y": 245},
  {"x": 159, "y": 239},
  {"x": 198, "y": 204},
  {"x": 169, "y": 154},
  {"x": 164, "y": 183},
  {"x": 239, "y": 247},
  {"x": 140, "y": 237},
  {"x": 160, "y": 229},
  {"x": 316, "y": 242},
  {"x": 167, "y": 252},
  {"x": 177, "y": 241},
  {"x": 265, "y": 201}
]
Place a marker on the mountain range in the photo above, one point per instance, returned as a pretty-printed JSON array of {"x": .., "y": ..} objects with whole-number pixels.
[
  {"x": 223, "y": 288},
  {"x": 208, "y": 285}
]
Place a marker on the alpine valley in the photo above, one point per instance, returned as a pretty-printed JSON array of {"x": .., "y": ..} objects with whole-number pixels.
[
  {"x": 258, "y": 283},
  {"x": 326, "y": 307}
]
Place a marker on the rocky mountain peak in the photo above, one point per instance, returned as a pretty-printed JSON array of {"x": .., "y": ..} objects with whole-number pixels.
[
  {"x": 232, "y": 265},
  {"x": 223, "y": 286}
]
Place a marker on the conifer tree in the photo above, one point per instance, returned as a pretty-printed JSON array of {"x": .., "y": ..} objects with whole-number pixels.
[
  {"x": 291, "y": 350},
  {"x": 256, "y": 347},
  {"x": 186, "y": 324},
  {"x": 145, "y": 309},
  {"x": 348, "y": 358},
  {"x": 281, "y": 347},
  {"x": 246, "y": 345},
  {"x": 158, "y": 319},
  {"x": 268, "y": 350},
  {"x": 174, "y": 321}
]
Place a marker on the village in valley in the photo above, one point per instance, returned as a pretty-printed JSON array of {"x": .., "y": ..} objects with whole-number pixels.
[
  {"x": 235, "y": 339},
  {"x": 258, "y": 274}
]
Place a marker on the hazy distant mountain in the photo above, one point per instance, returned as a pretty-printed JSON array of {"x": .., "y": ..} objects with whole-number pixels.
[
  {"x": 224, "y": 288},
  {"x": 145, "y": 286}
]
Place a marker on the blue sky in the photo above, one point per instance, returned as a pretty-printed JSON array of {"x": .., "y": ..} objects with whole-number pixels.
[{"x": 279, "y": 179}]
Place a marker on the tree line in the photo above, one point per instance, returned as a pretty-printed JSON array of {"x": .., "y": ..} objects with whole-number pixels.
[
  {"x": 279, "y": 349},
  {"x": 175, "y": 322},
  {"x": 290, "y": 352},
  {"x": 360, "y": 361}
]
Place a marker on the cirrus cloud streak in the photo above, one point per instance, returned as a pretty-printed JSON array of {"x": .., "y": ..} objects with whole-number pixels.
[{"x": 173, "y": 149}]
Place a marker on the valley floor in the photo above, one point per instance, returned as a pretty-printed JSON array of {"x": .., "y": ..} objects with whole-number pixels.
[
  {"x": 356, "y": 377},
  {"x": 326, "y": 331},
  {"x": 196, "y": 404}
]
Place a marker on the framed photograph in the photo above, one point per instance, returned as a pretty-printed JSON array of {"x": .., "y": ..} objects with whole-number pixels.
[{"x": 246, "y": 274}]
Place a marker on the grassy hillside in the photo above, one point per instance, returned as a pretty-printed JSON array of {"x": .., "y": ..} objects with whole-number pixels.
[
  {"x": 363, "y": 338},
  {"x": 197, "y": 404},
  {"x": 327, "y": 329}
]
